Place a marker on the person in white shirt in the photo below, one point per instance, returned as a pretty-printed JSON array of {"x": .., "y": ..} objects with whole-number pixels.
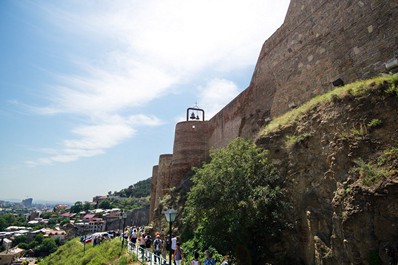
[{"x": 173, "y": 243}]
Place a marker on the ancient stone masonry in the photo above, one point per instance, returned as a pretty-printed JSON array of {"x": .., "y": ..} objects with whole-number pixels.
[
  {"x": 190, "y": 150},
  {"x": 319, "y": 42}
]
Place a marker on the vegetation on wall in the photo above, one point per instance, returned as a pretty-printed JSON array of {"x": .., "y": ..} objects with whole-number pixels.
[
  {"x": 236, "y": 203},
  {"x": 357, "y": 89},
  {"x": 375, "y": 171}
]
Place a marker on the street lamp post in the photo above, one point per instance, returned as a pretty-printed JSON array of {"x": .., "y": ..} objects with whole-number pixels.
[{"x": 170, "y": 215}]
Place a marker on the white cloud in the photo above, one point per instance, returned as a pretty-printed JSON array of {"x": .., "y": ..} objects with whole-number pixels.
[
  {"x": 216, "y": 94},
  {"x": 143, "y": 50},
  {"x": 93, "y": 140}
]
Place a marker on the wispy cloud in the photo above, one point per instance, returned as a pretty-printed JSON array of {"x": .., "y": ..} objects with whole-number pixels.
[
  {"x": 141, "y": 51},
  {"x": 93, "y": 140},
  {"x": 216, "y": 94}
]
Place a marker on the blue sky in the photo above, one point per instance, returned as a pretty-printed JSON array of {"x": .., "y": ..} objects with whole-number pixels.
[{"x": 90, "y": 91}]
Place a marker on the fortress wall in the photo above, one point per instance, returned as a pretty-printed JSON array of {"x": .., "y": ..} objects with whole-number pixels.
[
  {"x": 164, "y": 177},
  {"x": 190, "y": 148},
  {"x": 341, "y": 39},
  {"x": 319, "y": 42},
  {"x": 154, "y": 191}
]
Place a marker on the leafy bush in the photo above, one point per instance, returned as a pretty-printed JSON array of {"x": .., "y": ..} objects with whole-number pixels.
[{"x": 236, "y": 198}]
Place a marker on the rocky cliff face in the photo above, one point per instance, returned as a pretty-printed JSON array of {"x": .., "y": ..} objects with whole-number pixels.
[{"x": 340, "y": 164}]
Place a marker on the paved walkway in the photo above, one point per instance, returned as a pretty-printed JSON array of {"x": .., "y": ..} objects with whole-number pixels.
[{"x": 144, "y": 255}]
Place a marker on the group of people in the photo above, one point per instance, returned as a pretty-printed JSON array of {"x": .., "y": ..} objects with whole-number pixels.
[
  {"x": 138, "y": 235},
  {"x": 161, "y": 247}
]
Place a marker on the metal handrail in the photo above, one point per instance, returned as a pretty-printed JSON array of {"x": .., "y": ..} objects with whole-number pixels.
[{"x": 144, "y": 255}]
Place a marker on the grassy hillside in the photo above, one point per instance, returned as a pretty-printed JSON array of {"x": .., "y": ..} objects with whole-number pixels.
[
  {"x": 72, "y": 253},
  {"x": 357, "y": 89}
]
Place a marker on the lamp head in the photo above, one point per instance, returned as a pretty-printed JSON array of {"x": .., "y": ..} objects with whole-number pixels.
[{"x": 170, "y": 215}]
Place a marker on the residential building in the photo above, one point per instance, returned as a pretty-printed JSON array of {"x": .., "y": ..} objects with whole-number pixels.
[
  {"x": 8, "y": 256},
  {"x": 96, "y": 225}
]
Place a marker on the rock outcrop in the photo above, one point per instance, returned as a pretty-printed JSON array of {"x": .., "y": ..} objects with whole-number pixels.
[{"x": 340, "y": 165}]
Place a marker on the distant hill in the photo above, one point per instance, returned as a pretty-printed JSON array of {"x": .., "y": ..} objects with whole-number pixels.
[
  {"x": 138, "y": 190},
  {"x": 136, "y": 196}
]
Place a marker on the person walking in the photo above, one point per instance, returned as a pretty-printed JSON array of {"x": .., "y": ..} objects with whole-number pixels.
[
  {"x": 196, "y": 260},
  {"x": 209, "y": 259},
  {"x": 157, "y": 247},
  {"x": 148, "y": 245},
  {"x": 134, "y": 236},
  {"x": 173, "y": 243},
  {"x": 178, "y": 254},
  {"x": 142, "y": 245}
]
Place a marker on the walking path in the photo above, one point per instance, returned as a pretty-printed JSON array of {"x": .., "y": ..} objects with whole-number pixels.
[{"x": 144, "y": 255}]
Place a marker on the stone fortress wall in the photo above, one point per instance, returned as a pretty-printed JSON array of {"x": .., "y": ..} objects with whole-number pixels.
[{"x": 319, "y": 42}]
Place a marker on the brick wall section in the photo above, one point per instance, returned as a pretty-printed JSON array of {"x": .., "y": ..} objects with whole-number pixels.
[
  {"x": 164, "y": 176},
  {"x": 319, "y": 42},
  {"x": 154, "y": 191},
  {"x": 190, "y": 148}
]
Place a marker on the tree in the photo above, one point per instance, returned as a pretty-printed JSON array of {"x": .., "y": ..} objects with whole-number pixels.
[
  {"x": 20, "y": 239},
  {"x": 87, "y": 206},
  {"x": 10, "y": 219},
  {"x": 39, "y": 238},
  {"x": 46, "y": 215},
  {"x": 77, "y": 207},
  {"x": 23, "y": 245},
  {"x": 236, "y": 203},
  {"x": 48, "y": 246},
  {"x": 105, "y": 204},
  {"x": 3, "y": 223}
]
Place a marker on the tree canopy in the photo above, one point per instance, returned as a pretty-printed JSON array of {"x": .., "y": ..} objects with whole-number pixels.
[{"x": 236, "y": 202}]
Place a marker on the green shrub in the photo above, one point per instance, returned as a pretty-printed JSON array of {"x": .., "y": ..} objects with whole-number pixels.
[
  {"x": 292, "y": 140},
  {"x": 357, "y": 133},
  {"x": 236, "y": 198},
  {"x": 375, "y": 123},
  {"x": 368, "y": 173}
]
